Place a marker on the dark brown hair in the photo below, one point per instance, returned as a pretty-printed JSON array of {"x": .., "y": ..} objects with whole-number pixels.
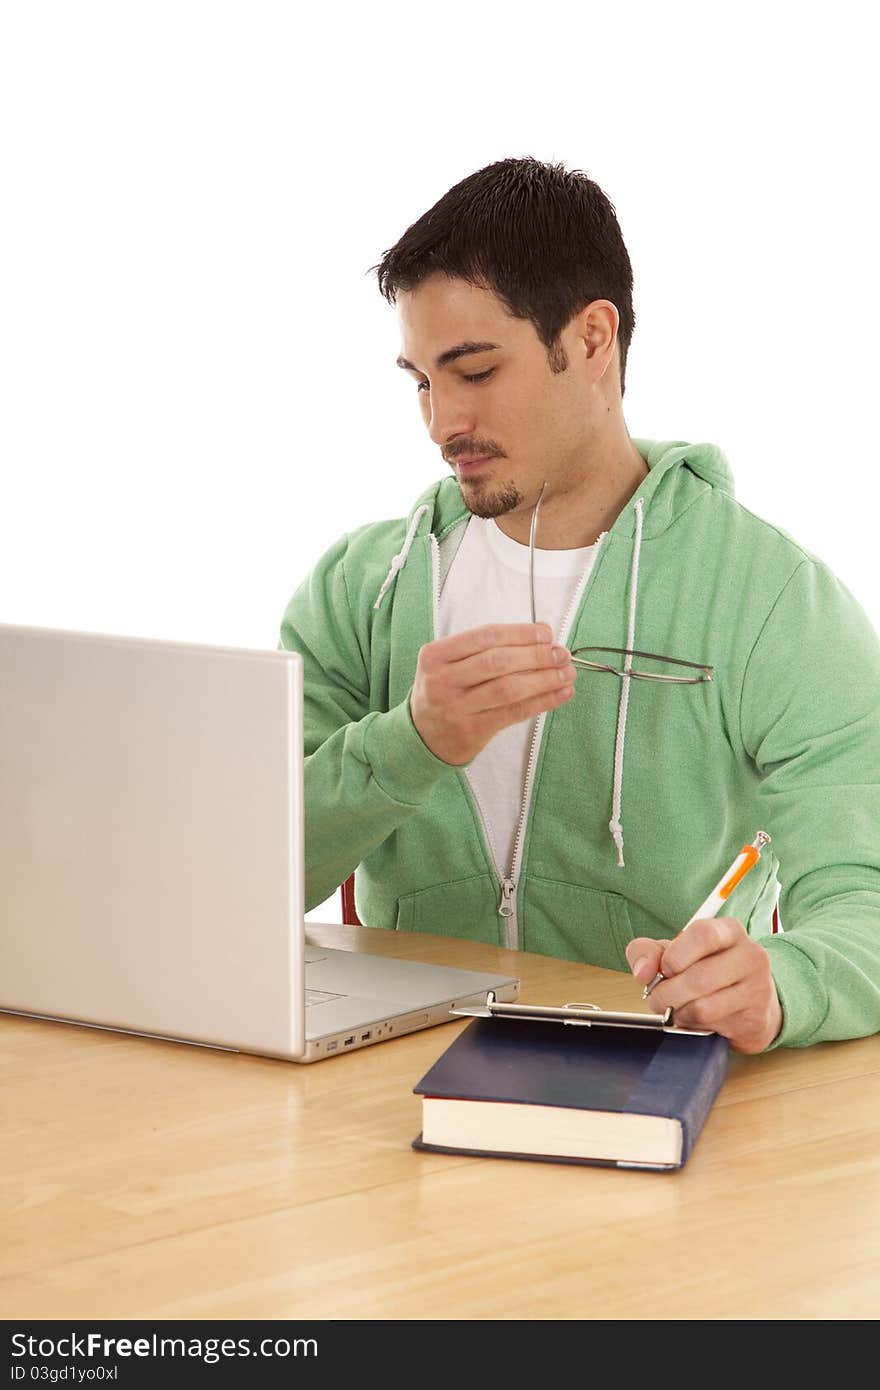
[{"x": 543, "y": 238}]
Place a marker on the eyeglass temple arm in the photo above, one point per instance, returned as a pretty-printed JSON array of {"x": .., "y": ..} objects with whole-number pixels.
[
  {"x": 534, "y": 528},
  {"x": 650, "y": 656}
]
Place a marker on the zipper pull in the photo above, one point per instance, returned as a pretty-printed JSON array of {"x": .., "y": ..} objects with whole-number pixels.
[{"x": 508, "y": 888}]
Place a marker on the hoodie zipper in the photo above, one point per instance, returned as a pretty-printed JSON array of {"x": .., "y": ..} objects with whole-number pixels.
[
  {"x": 512, "y": 880},
  {"x": 507, "y": 902}
]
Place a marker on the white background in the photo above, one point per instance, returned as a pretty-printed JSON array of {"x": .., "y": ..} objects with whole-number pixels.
[{"x": 197, "y": 381}]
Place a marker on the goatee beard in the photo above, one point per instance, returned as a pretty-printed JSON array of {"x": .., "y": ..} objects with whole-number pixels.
[{"x": 489, "y": 504}]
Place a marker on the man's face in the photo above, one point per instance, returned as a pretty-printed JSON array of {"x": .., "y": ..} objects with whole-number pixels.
[{"x": 503, "y": 420}]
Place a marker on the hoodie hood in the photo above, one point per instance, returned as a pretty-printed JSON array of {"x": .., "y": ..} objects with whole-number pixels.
[
  {"x": 678, "y": 473},
  {"x": 706, "y": 460}
]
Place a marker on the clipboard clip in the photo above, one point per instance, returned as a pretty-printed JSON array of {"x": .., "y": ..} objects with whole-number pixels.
[{"x": 577, "y": 1015}]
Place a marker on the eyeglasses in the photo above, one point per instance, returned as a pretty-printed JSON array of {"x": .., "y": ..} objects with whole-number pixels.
[{"x": 579, "y": 658}]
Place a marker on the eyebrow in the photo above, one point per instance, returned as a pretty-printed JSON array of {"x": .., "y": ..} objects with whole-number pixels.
[{"x": 452, "y": 355}]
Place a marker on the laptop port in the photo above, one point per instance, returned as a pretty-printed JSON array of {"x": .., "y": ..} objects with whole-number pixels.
[
  {"x": 364, "y": 1036},
  {"x": 332, "y": 1046},
  {"x": 348, "y": 1041}
]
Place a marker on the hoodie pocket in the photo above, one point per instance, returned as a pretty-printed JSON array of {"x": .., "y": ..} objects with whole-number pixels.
[
  {"x": 465, "y": 908},
  {"x": 573, "y": 922}
]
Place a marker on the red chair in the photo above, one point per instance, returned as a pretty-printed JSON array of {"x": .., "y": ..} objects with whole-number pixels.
[{"x": 349, "y": 914}]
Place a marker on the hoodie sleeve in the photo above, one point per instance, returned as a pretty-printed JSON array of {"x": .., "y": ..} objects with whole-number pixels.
[
  {"x": 366, "y": 770},
  {"x": 810, "y": 720}
]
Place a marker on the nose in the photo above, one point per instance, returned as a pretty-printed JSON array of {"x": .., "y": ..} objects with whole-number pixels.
[{"x": 448, "y": 414}]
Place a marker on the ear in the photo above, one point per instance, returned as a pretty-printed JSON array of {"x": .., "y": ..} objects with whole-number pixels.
[{"x": 596, "y": 327}]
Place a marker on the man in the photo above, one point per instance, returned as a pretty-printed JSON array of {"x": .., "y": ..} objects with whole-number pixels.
[{"x": 487, "y": 785}]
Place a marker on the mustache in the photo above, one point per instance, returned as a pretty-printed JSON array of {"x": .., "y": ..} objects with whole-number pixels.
[{"x": 472, "y": 449}]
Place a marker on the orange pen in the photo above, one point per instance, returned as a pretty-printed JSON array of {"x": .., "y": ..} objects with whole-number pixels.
[{"x": 748, "y": 855}]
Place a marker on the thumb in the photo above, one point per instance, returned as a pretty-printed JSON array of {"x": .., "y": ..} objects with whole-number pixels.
[{"x": 643, "y": 956}]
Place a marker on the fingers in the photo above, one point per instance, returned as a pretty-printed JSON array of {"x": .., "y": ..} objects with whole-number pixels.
[
  {"x": 643, "y": 955},
  {"x": 496, "y": 666},
  {"x": 517, "y": 684},
  {"x": 713, "y": 1010},
  {"x": 702, "y": 938},
  {"x": 462, "y": 645},
  {"x": 750, "y": 1021},
  {"x": 647, "y": 956},
  {"x": 493, "y": 720},
  {"x": 720, "y": 980},
  {"x": 471, "y": 685},
  {"x": 705, "y": 977}
]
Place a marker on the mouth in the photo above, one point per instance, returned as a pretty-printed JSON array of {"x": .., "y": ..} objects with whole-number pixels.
[{"x": 466, "y": 467}]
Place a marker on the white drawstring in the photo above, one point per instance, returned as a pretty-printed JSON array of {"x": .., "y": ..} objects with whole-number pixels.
[
  {"x": 399, "y": 560},
  {"x": 614, "y": 825}
]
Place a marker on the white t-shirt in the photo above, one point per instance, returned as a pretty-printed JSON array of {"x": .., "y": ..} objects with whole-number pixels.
[{"x": 488, "y": 582}]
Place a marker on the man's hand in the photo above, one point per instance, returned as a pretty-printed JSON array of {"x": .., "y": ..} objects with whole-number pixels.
[
  {"x": 716, "y": 977},
  {"x": 474, "y": 683}
]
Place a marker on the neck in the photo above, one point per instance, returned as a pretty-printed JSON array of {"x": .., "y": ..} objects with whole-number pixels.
[{"x": 577, "y": 509}]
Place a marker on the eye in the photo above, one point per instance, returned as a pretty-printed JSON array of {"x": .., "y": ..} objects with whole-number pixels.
[
  {"x": 423, "y": 386},
  {"x": 481, "y": 376}
]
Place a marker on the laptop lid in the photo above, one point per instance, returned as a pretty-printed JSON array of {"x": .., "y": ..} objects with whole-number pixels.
[{"x": 151, "y": 837}]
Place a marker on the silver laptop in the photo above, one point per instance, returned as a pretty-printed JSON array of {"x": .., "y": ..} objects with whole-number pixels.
[{"x": 151, "y": 855}]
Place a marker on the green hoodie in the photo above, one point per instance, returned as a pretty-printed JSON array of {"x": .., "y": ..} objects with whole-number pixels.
[{"x": 637, "y": 795}]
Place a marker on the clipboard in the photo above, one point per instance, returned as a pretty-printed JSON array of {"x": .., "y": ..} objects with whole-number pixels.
[{"x": 578, "y": 1015}]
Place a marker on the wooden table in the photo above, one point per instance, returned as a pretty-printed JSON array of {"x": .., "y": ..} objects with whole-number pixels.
[{"x": 151, "y": 1180}]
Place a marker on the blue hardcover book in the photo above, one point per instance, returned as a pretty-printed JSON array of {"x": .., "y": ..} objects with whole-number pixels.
[{"x": 620, "y": 1097}]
